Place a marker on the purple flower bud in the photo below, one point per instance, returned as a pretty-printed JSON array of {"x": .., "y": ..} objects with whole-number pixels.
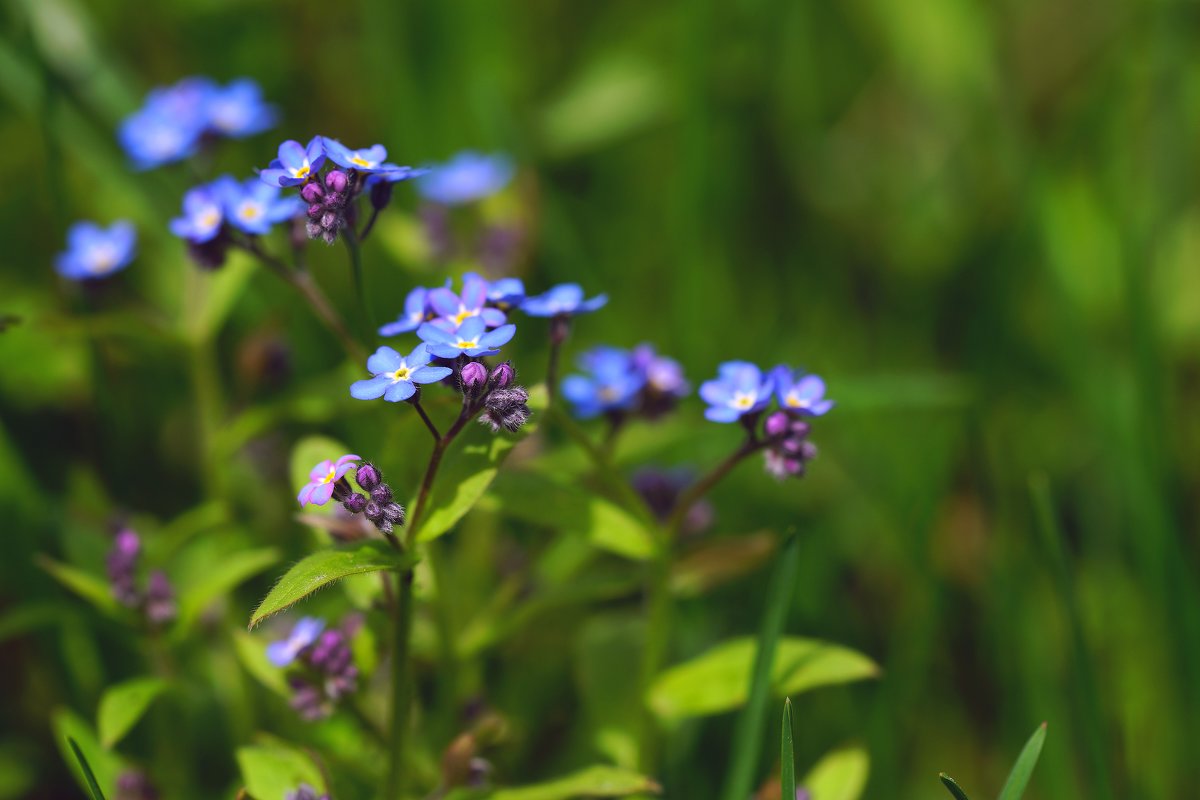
[
  {"x": 160, "y": 599},
  {"x": 506, "y": 408},
  {"x": 800, "y": 428},
  {"x": 373, "y": 511},
  {"x": 337, "y": 180},
  {"x": 355, "y": 503},
  {"x": 381, "y": 195},
  {"x": 121, "y": 566},
  {"x": 777, "y": 424},
  {"x": 312, "y": 192},
  {"x": 502, "y": 375},
  {"x": 394, "y": 513},
  {"x": 367, "y": 476},
  {"x": 330, "y": 221},
  {"x": 472, "y": 378},
  {"x": 313, "y": 230},
  {"x": 315, "y": 211},
  {"x": 382, "y": 494},
  {"x": 335, "y": 200}
]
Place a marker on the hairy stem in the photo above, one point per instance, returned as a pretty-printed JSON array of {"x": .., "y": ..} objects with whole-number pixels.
[
  {"x": 705, "y": 484},
  {"x": 425, "y": 418}
]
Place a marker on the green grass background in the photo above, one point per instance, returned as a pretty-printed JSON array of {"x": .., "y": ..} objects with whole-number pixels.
[{"x": 977, "y": 220}]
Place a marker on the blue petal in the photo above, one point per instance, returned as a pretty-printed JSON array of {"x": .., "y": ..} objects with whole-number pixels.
[
  {"x": 497, "y": 337},
  {"x": 430, "y": 374},
  {"x": 722, "y": 414},
  {"x": 715, "y": 392},
  {"x": 370, "y": 388},
  {"x": 435, "y": 336},
  {"x": 473, "y": 327},
  {"x": 385, "y": 359},
  {"x": 399, "y": 390}
]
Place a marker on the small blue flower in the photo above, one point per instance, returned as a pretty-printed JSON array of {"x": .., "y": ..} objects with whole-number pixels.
[
  {"x": 396, "y": 376},
  {"x": 95, "y": 252},
  {"x": 204, "y": 210},
  {"x": 613, "y": 385},
  {"x": 453, "y": 310},
  {"x": 416, "y": 311},
  {"x": 566, "y": 299},
  {"x": 303, "y": 635},
  {"x": 238, "y": 109},
  {"x": 296, "y": 162},
  {"x": 506, "y": 293},
  {"x": 466, "y": 178},
  {"x": 663, "y": 375},
  {"x": 253, "y": 206},
  {"x": 471, "y": 339},
  {"x": 740, "y": 388},
  {"x": 802, "y": 394},
  {"x": 394, "y": 174},
  {"x": 369, "y": 159},
  {"x": 168, "y": 125}
]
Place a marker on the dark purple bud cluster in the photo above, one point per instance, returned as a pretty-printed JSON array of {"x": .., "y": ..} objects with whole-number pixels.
[
  {"x": 327, "y": 673},
  {"x": 157, "y": 602},
  {"x": 491, "y": 394},
  {"x": 377, "y": 505},
  {"x": 789, "y": 450},
  {"x": 328, "y": 204},
  {"x": 506, "y": 408},
  {"x": 305, "y": 792},
  {"x": 133, "y": 784}
]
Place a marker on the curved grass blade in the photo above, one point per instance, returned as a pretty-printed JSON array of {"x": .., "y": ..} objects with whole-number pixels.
[
  {"x": 748, "y": 732},
  {"x": 953, "y": 787},
  {"x": 1018, "y": 779},
  {"x": 787, "y": 756},
  {"x": 93, "y": 786}
]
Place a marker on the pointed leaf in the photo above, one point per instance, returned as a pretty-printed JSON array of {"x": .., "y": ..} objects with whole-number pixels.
[
  {"x": 839, "y": 775},
  {"x": 600, "y": 781},
  {"x": 467, "y": 471},
  {"x": 123, "y": 705},
  {"x": 270, "y": 771},
  {"x": 91, "y": 588},
  {"x": 234, "y": 569},
  {"x": 952, "y": 787},
  {"x": 325, "y": 567},
  {"x": 787, "y": 754},
  {"x": 104, "y": 765},
  {"x": 717, "y": 680},
  {"x": 1018, "y": 779},
  {"x": 89, "y": 776}
]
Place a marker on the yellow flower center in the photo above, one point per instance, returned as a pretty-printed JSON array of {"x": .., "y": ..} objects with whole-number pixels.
[
  {"x": 250, "y": 211},
  {"x": 467, "y": 344},
  {"x": 361, "y": 162},
  {"x": 608, "y": 393},
  {"x": 743, "y": 400},
  {"x": 103, "y": 259},
  {"x": 401, "y": 374},
  {"x": 464, "y": 313},
  {"x": 793, "y": 401},
  {"x": 331, "y": 476},
  {"x": 210, "y": 218},
  {"x": 303, "y": 171}
]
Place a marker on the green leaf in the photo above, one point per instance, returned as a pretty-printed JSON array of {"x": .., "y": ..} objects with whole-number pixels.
[
  {"x": 748, "y": 730},
  {"x": 953, "y": 787},
  {"x": 1018, "y": 779},
  {"x": 270, "y": 771},
  {"x": 234, "y": 568},
  {"x": 534, "y": 498},
  {"x": 787, "y": 754},
  {"x": 104, "y": 765},
  {"x": 839, "y": 775},
  {"x": 84, "y": 584},
  {"x": 123, "y": 705},
  {"x": 325, "y": 567},
  {"x": 717, "y": 680},
  {"x": 89, "y": 776},
  {"x": 466, "y": 473},
  {"x": 252, "y": 653},
  {"x": 599, "y": 781}
]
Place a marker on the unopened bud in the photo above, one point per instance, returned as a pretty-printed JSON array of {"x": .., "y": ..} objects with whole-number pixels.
[
  {"x": 337, "y": 180},
  {"x": 502, "y": 375},
  {"x": 367, "y": 476},
  {"x": 312, "y": 192}
]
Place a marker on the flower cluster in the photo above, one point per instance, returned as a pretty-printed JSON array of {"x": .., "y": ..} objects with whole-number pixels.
[
  {"x": 94, "y": 252},
  {"x": 157, "y": 602},
  {"x": 621, "y": 383},
  {"x": 211, "y": 211},
  {"x": 306, "y": 792},
  {"x": 661, "y": 489},
  {"x": 330, "y": 196},
  {"x": 467, "y": 177},
  {"x": 742, "y": 392},
  {"x": 328, "y": 480},
  {"x": 174, "y": 121},
  {"x": 322, "y": 664}
]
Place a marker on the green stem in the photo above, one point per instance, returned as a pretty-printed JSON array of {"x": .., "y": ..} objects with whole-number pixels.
[
  {"x": 206, "y": 388},
  {"x": 703, "y": 486},
  {"x": 360, "y": 289},
  {"x": 402, "y": 683}
]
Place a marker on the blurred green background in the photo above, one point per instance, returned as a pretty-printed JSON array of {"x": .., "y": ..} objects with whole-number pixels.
[{"x": 977, "y": 220}]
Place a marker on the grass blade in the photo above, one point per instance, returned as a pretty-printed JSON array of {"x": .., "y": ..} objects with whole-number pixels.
[
  {"x": 1018, "y": 779},
  {"x": 93, "y": 786},
  {"x": 787, "y": 756},
  {"x": 953, "y": 787},
  {"x": 748, "y": 732}
]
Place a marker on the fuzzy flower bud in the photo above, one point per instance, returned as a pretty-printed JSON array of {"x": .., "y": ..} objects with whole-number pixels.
[
  {"x": 777, "y": 424},
  {"x": 122, "y": 567},
  {"x": 337, "y": 180},
  {"x": 502, "y": 375},
  {"x": 355, "y": 503},
  {"x": 506, "y": 408},
  {"x": 312, "y": 192},
  {"x": 472, "y": 379},
  {"x": 160, "y": 599},
  {"x": 367, "y": 476}
]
